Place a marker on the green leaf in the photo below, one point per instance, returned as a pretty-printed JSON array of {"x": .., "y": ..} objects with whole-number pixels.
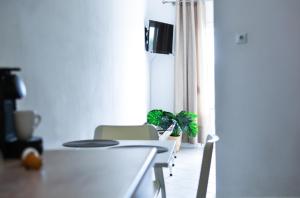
[
  {"x": 188, "y": 123},
  {"x": 154, "y": 117}
]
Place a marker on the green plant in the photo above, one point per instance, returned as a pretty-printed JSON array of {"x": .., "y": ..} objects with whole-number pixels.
[
  {"x": 160, "y": 118},
  {"x": 167, "y": 120},
  {"x": 188, "y": 123},
  {"x": 185, "y": 122}
]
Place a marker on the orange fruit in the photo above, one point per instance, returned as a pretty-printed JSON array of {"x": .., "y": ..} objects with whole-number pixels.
[{"x": 31, "y": 159}]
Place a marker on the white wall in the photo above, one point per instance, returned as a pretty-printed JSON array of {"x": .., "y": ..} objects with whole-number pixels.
[
  {"x": 83, "y": 62},
  {"x": 161, "y": 66},
  {"x": 258, "y": 98}
]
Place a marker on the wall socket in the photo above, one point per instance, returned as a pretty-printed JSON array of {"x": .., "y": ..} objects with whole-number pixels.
[{"x": 241, "y": 38}]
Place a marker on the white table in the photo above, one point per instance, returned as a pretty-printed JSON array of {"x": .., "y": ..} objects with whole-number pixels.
[
  {"x": 82, "y": 173},
  {"x": 161, "y": 159}
]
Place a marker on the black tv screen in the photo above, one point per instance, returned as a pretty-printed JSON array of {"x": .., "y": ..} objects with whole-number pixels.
[{"x": 160, "y": 37}]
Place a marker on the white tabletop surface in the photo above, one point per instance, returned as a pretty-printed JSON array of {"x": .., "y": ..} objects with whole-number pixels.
[
  {"x": 161, "y": 159},
  {"x": 77, "y": 173}
]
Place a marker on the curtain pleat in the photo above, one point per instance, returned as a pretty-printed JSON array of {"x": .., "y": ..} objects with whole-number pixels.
[
  {"x": 193, "y": 64},
  {"x": 178, "y": 60},
  {"x": 185, "y": 59}
]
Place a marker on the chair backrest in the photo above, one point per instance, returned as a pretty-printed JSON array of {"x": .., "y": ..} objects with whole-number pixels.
[
  {"x": 133, "y": 132},
  {"x": 166, "y": 134},
  {"x": 205, "y": 166}
]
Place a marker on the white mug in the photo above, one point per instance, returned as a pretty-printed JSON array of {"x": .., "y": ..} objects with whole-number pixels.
[{"x": 25, "y": 123}]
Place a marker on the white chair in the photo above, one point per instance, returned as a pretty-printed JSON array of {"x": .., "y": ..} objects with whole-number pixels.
[
  {"x": 164, "y": 134},
  {"x": 205, "y": 166},
  {"x": 131, "y": 132}
]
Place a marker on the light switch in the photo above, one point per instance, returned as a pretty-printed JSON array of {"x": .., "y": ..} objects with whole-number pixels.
[{"x": 241, "y": 38}]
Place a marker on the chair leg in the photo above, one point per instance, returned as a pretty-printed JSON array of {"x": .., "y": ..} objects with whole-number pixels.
[
  {"x": 173, "y": 159},
  {"x": 171, "y": 171},
  {"x": 159, "y": 175},
  {"x": 172, "y": 164}
]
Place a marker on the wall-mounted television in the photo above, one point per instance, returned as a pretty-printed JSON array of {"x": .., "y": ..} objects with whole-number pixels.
[{"x": 159, "y": 37}]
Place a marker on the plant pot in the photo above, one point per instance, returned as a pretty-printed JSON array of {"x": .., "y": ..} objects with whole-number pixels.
[
  {"x": 192, "y": 140},
  {"x": 177, "y": 139},
  {"x": 185, "y": 137}
]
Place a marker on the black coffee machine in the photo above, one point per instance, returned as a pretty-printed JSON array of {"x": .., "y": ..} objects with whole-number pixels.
[{"x": 11, "y": 89}]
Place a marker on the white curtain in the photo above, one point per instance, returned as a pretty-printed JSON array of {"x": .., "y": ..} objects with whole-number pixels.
[{"x": 190, "y": 79}]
